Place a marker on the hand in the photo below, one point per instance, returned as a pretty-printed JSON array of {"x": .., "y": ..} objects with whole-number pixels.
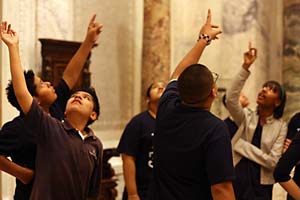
[
  {"x": 94, "y": 30},
  {"x": 27, "y": 176},
  {"x": 211, "y": 30},
  {"x": 286, "y": 145},
  {"x": 249, "y": 57},
  {"x": 8, "y": 35}
]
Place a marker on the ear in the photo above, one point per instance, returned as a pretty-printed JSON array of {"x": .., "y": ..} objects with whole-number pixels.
[
  {"x": 93, "y": 116},
  {"x": 277, "y": 103},
  {"x": 147, "y": 100},
  {"x": 214, "y": 92}
]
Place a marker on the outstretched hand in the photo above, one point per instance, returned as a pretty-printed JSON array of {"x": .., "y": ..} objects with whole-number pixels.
[
  {"x": 209, "y": 29},
  {"x": 249, "y": 57},
  {"x": 8, "y": 35},
  {"x": 94, "y": 30}
]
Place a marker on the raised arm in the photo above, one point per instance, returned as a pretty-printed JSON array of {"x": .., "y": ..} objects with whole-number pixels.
[
  {"x": 11, "y": 39},
  {"x": 76, "y": 64},
  {"x": 233, "y": 93},
  {"x": 193, "y": 56}
]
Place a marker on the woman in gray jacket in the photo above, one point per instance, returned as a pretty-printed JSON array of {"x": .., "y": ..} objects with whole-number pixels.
[{"x": 258, "y": 142}]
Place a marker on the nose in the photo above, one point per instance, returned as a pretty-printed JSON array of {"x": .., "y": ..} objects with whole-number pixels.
[
  {"x": 77, "y": 96},
  {"x": 264, "y": 89}
]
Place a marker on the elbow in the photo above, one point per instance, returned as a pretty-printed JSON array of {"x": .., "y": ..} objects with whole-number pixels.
[{"x": 280, "y": 174}]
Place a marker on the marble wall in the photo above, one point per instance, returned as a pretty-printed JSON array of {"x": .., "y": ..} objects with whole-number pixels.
[
  {"x": 116, "y": 62},
  {"x": 291, "y": 55},
  {"x": 156, "y": 44}
]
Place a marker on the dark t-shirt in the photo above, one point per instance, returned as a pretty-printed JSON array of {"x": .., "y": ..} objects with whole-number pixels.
[
  {"x": 137, "y": 141},
  {"x": 247, "y": 185},
  {"x": 192, "y": 151},
  {"x": 292, "y": 156},
  {"x": 67, "y": 166},
  {"x": 232, "y": 127},
  {"x": 15, "y": 143}
]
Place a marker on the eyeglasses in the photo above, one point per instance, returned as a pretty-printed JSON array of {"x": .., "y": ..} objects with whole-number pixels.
[{"x": 215, "y": 77}]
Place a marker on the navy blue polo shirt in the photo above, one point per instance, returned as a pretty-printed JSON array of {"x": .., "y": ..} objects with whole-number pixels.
[
  {"x": 137, "y": 141},
  {"x": 15, "y": 143},
  {"x": 192, "y": 150},
  {"x": 67, "y": 167}
]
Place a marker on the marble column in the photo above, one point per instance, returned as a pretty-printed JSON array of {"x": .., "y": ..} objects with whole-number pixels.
[
  {"x": 156, "y": 43},
  {"x": 291, "y": 55}
]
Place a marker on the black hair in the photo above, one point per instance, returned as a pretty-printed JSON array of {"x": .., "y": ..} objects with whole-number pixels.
[
  {"x": 195, "y": 84},
  {"x": 10, "y": 93},
  {"x": 92, "y": 92},
  {"x": 224, "y": 101},
  {"x": 149, "y": 90},
  {"x": 277, "y": 88}
]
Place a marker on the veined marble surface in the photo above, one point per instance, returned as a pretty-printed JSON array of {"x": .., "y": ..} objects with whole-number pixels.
[{"x": 291, "y": 56}]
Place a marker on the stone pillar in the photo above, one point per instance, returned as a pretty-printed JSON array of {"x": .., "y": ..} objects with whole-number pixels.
[
  {"x": 156, "y": 43},
  {"x": 291, "y": 55}
]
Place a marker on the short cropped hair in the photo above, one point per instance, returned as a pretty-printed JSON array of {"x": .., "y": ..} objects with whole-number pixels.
[
  {"x": 149, "y": 90},
  {"x": 92, "y": 92},
  {"x": 277, "y": 88},
  {"x": 195, "y": 84},
  {"x": 10, "y": 93}
]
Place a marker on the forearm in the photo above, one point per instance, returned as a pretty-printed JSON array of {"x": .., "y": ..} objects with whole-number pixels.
[
  {"x": 19, "y": 84},
  {"x": 222, "y": 191},
  {"x": 292, "y": 188},
  {"x": 129, "y": 171},
  {"x": 74, "y": 67},
  {"x": 23, "y": 174},
  {"x": 192, "y": 57},
  {"x": 255, "y": 154},
  {"x": 233, "y": 94}
]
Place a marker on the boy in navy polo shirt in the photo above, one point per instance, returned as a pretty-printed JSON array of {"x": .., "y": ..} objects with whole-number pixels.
[
  {"x": 136, "y": 146},
  {"x": 192, "y": 150},
  {"x": 14, "y": 142}
]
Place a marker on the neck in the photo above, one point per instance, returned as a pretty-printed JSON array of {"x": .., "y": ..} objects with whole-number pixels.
[
  {"x": 77, "y": 123},
  {"x": 45, "y": 108},
  {"x": 152, "y": 109},
  {"x": 264, "y": 113},
  {"x": 203, "y": 106}
]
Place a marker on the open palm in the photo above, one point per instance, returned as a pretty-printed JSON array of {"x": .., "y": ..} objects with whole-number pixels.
[{"x": 8, "y": 35}]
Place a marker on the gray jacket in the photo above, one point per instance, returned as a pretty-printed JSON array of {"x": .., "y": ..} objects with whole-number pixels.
[{"x": 272, "y": 138}]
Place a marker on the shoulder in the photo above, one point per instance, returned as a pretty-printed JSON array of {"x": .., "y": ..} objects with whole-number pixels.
[
  {"x": 15, "y": 124},
  {"x": 141, "y": 117}
]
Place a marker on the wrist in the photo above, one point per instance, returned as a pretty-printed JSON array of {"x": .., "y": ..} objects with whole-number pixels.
[
  {"x": 246, "y": 66},
  {"x": 204, "y": 37}
]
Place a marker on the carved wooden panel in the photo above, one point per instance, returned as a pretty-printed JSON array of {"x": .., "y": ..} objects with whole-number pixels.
[{"x": 56, "y": 54}]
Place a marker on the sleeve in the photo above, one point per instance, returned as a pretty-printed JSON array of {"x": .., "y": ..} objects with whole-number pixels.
[
  {"x": 268, "y": 160},
  {"x": 95, "y": 184},
  {"x": 218, "y": 159},
  {"x": 40, "y": 124},
  {"x": 11, "y": 137},
  {"x": 293, "y": 125},
  {"x": 288, "y": 160},
  {"x": 233, "y": 94},
  {"x": 63, "y": 93},
  {"x": 170, "y": 94},
  {"x": 130, "y": 140}
]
